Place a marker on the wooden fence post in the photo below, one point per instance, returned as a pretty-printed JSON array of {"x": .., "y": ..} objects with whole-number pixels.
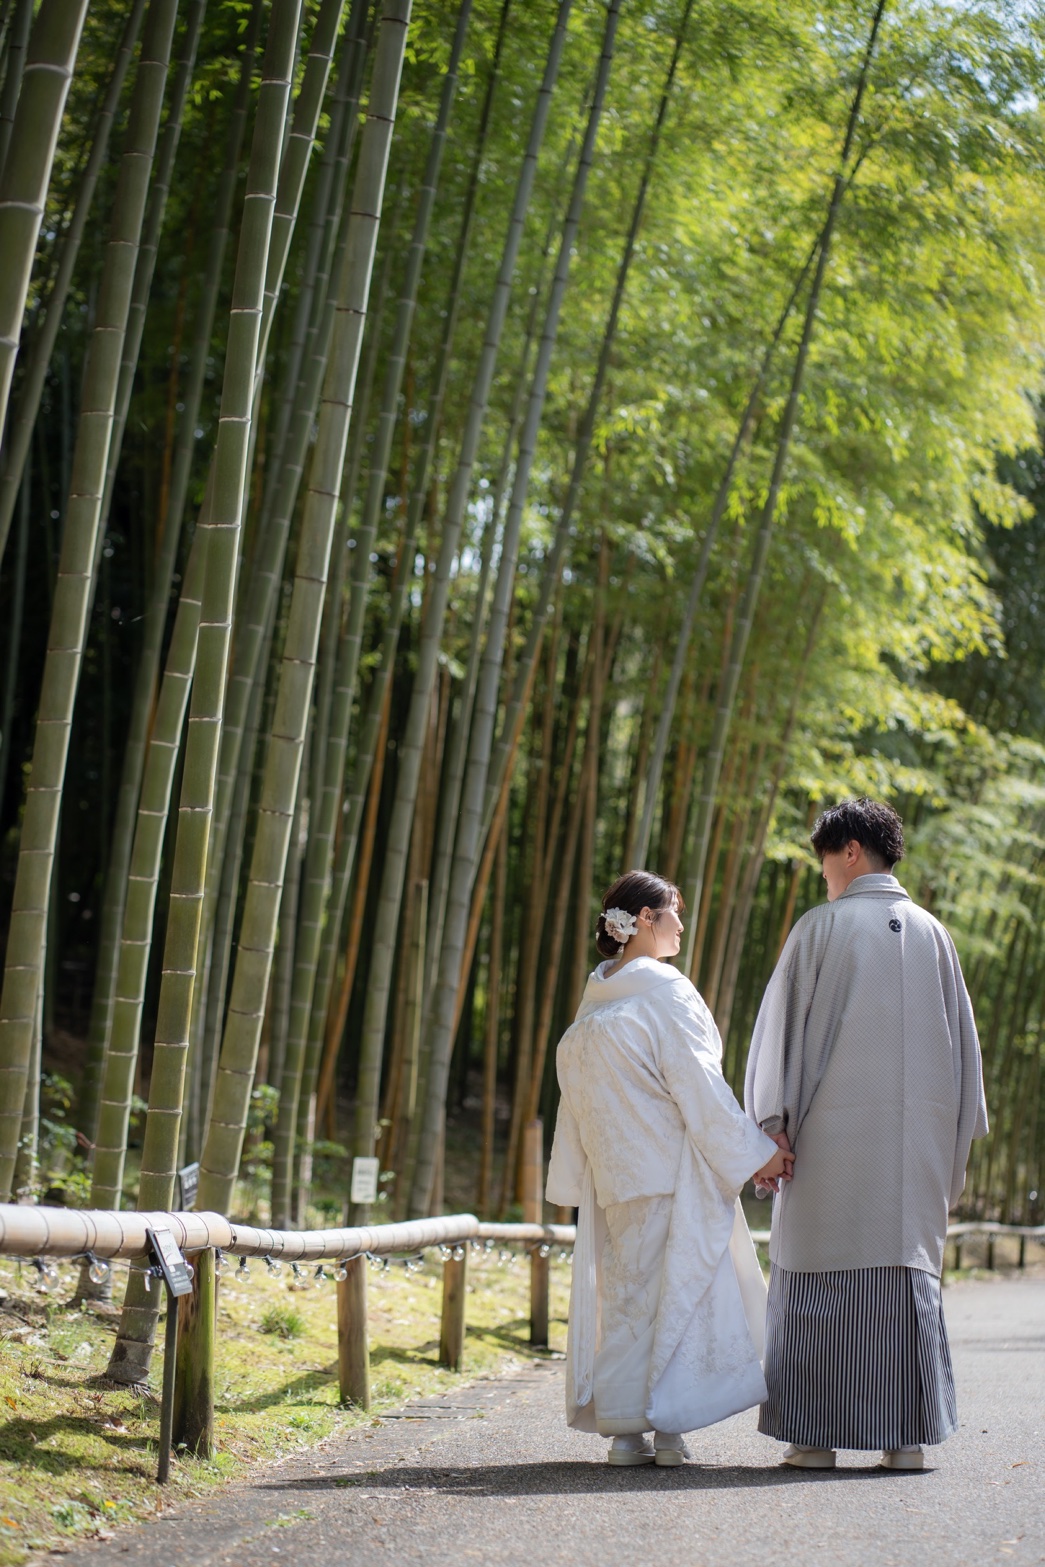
[
  {"x": 1023, "y": 1251},
  {"x": 533, "y": 1213},
  {"x": 451, "y": 1331},
  {"x": 194, "y": 1365},
  {"x": 353, "y": 1342},
  {"x": 990, "y": 1251}
]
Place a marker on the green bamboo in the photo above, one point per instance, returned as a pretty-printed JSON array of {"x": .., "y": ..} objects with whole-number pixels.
[
  {"x": 328, "y": 236},
  {"x": 327, "y": 808},
  {"x": 504, "y": 749},
  {"x": 228, "y": 1118},
  {"x": 456, "y": 752},
  {"x": 442, "y": 1020},
  {"x": 700, "y": 834},
  {"x": 307, "y": 361},
  {"x": 23, "y": 969},
  {"x": 16, "y": 42},
  {"x": 297, "y": 153},
  {"x": 14, "y": 632},
  {"x": 121, "y": 1057},
  {"x": 156, "y": 614},
  {"x": 665, "y": 716},
  {"x": 369, "y": 730},
  {"x": 166, "y": 152},
  {"x": 53, "y": 45},
  {"x": 220, "y": 527},
  {"x": 386, "y": 918},
  {"x": 39, "y": 348}
]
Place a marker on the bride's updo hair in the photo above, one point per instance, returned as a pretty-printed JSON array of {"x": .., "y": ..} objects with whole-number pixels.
[{"x": 633, "y": 892}]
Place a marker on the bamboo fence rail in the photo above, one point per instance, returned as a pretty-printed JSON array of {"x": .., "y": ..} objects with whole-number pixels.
[{"x": 187, "y": 1416}]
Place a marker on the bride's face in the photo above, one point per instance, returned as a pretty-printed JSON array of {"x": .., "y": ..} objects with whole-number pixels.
[{"x": 667, "y": 930}]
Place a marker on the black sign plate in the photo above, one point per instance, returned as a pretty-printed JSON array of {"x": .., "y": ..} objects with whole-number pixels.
[
  {"x": 189, "y": 1185},
  {"x": 167, "y": 1255}
]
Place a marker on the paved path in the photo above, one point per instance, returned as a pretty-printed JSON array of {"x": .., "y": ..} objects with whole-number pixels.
[{"x": 490, "y": 1474}]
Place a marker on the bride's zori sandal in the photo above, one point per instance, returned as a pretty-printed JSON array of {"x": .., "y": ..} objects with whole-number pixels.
[
  {"x": 669, "y": 1449},
  {"x": 626, "y": 1451}
]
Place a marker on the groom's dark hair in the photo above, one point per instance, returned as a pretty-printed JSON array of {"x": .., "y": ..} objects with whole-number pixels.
[{"x": 875, "y": 827}]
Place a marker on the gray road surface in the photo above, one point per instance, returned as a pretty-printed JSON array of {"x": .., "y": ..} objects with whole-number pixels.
[{"x": 491, "y": 1474}]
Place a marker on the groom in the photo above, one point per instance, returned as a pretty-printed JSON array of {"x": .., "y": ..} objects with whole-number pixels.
[{"x": 865, "y": 1061}]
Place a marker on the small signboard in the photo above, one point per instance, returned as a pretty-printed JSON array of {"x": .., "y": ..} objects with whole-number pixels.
[
  {"x": 189, "y": 1185},
  {"x": 166, "y": 1253},
  {"x": 364, "y": 1180}
]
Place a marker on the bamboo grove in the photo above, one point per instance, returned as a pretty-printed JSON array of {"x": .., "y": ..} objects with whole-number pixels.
[{"x": 455, "y": 450}]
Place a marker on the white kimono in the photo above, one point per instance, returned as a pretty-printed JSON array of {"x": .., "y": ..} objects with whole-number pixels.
[{"x": 667, "y": 1308}]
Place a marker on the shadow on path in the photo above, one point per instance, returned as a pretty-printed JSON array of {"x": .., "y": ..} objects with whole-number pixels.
[{"x": 566, "y": 1479}]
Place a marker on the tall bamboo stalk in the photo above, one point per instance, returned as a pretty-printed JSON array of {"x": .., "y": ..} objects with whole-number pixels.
[
  {"x": 220, "y": 527},
  {"x": 515, "y": 706},
  {"x": 386, "y": 920},
  {"x": 256, "y": 620},
  {"x": 324, "y": 1024},
  {"x": 16, "y": 42},
  {"x": 300, "y": 1043},
  {"x": 651, "y": 783},
  {"x": 26, "y": 173},
  {"x": 40, "y": 346},
  {"x": 228, "y": 1119},
  {"x": 156, "y": 613},
  {"x": 693, "y": 877},
  {"x": 24, "y": 960},
  {"x": 467, "y": 847},
  {"x": 121, "y": 1056}
]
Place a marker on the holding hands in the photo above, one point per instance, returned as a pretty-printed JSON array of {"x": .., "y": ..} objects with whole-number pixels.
[{"x": 778, "y": 1169}]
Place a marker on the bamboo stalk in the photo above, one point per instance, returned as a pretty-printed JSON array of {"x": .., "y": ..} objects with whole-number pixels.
[
  {"x": 221, "y": 1154},
  {"x": 23, "y": 971},
  {"x": 51, "y": 57},
  {"x": 386, "y": 919},
  {"x": 219, "y": 528}
]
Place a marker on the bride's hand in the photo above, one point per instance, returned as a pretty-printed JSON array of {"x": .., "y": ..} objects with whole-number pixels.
[{"x": 777, "y": 1169}]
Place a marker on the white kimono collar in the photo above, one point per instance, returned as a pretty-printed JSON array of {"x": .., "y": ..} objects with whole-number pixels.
[
  {"x": 876, "y": 882},
  {"x": 634, "y": 979}
]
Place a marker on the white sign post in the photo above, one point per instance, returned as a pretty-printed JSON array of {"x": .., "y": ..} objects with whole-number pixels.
[{"x": 364, "y": 1181}]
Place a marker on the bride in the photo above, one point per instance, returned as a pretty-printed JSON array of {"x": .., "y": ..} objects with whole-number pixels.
[{"x": 667, "y": 1306}]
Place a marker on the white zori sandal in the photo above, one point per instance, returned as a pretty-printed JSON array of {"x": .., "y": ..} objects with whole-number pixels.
[
  {"x": 903, "y": 1458},
  {"x": 800, "y": 1457},
  {"x": 669, "y": 1449},
  {"x": 626, "y": 1451}
]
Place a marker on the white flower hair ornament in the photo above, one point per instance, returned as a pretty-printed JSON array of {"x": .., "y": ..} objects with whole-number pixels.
[{"x": 620, "y": 924}]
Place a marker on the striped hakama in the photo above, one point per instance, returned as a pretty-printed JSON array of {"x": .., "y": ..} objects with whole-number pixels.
[{"x": 857, "y": 1359}]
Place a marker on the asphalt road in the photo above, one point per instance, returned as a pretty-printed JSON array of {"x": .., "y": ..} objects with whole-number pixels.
[{"x": 491, "y": 1474}]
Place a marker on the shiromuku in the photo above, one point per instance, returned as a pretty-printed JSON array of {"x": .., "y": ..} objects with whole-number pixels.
[{"x": 667, "y": 1308}]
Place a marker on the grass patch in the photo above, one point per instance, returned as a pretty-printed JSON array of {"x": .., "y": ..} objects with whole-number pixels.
[
  {"x": 284, "y": 1321},
  {"x": 76, "y": 1462}
]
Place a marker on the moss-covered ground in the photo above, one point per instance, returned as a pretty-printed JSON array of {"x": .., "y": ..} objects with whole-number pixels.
[{"x": 77, "y": 1461}]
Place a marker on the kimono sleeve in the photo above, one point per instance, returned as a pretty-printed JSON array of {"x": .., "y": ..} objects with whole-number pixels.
[
  {"x": 773, "y": 1081},
  {"x": 690, "y": 1056},
  {"x": 968, "y": 1067},
  {"x": 568, "y": 1160}
]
